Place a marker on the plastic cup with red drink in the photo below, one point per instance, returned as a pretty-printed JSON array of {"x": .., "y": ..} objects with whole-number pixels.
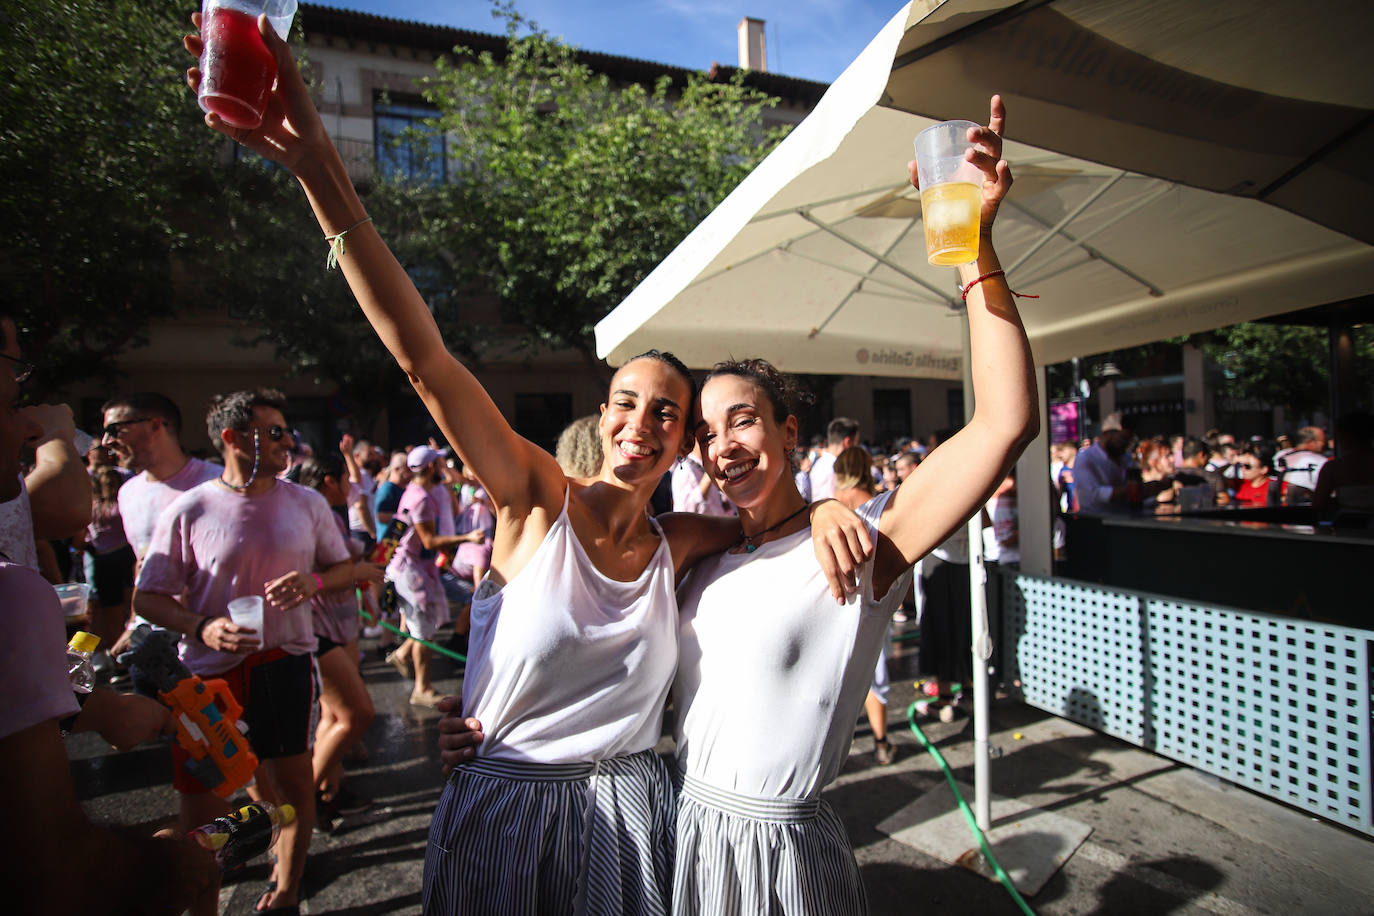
[{"x": 237, "y": 70}]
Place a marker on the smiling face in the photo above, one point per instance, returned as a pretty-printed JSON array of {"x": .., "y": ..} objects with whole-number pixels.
[
  {"x": 644, "y": 421},
  {"x": 274, "y": 453},
  {"x": 130, "y": 436},
  {"x": 743, "y": 446}
]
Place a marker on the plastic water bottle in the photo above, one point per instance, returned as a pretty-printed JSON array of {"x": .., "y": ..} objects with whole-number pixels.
[
  {"x": 80, "y": 668},
  {"x": 244, "y": 834}
]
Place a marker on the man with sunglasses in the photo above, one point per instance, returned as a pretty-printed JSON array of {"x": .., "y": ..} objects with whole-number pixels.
[
  {"x": 249, "y": 533},
  {"x": 143, "y": 430}
]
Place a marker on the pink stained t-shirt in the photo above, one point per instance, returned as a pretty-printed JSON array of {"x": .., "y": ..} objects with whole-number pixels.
[
  {"x": 446, "y": 524},
  {"x": 213, "y": 545},
  {"x": 141, "y": 500},
  {"x": 334, "y": 615},
  {"x": 417, "y": 505},
  {"x": 33, "y": 652}
]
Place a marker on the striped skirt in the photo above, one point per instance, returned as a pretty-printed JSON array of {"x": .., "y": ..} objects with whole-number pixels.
[
  {"x": 740, "y": 855},
  {"x": 523, "y": 838}
]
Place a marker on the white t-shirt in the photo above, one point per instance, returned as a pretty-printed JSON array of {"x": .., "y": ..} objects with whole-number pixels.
[
  {"x": 141, "y": 501},
  {"x": 367, "y": 487},
  {"x": 823, "y": 476},
  {"x": 1300, "y": 467},
  {"x": 16, "y": 529},
  {"x": 687, "y": 497},
  {"x": 213, "y": 545},
  {"x": 567, "y": 665},
  {"x": 771, "y": 678}
]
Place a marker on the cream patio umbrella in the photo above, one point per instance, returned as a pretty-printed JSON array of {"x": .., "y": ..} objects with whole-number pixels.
[{"x": 816, "y": 260}]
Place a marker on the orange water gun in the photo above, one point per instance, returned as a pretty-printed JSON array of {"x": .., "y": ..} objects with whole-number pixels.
[{"x": 208, "y": 716}]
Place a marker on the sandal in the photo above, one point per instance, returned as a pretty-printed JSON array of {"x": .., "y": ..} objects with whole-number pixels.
[{"x": 884, "y": 752}]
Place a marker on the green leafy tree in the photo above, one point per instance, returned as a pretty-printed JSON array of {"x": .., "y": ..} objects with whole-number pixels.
[
  {"x": 268, "y": 269},
  {"x": 570, "y": 188},
  {"x": 1283, "y": 365},
  {"x": 103, "y": 163}
]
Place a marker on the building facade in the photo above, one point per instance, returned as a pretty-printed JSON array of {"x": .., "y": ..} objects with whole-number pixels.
[{"x": 367, "y": 71}]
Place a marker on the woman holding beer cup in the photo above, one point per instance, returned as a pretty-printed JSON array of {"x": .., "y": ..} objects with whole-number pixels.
[
  {"x": 771, "y": 675},
  {"x": 574, "y": 627}
]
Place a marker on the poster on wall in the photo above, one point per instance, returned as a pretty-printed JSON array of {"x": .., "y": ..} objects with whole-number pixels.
[{"x": 1066, "y": 420}]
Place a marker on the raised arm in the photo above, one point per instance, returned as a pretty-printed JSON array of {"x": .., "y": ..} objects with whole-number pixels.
[
  {"x": 959, "y": 476},
  {"x": 59, "y": 487},
  {"x": 519, "y": 475}
]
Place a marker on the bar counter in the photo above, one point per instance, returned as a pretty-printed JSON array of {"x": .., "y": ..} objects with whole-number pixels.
[{"x": 1255, "y": 559}]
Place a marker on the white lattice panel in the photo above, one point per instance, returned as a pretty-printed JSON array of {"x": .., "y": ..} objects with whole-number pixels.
[{"x": 1280, "y": 706}]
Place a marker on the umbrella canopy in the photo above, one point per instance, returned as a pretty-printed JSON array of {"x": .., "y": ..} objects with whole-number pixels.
[
  {"x": 817, "y": 259},
  {"x": 1254, "y": 98}
]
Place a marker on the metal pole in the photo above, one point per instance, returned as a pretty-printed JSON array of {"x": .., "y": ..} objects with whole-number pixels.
[{"x": 981, "y": 645}]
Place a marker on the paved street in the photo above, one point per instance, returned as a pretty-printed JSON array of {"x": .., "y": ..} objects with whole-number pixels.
[{"x": 1164, "y": 838}]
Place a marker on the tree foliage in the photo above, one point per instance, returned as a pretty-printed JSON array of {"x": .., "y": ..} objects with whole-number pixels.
[
  {"x": 570, "y": 188},
  {"x": 1283, "y": 365},
  {"x": 104, "y": 163}
]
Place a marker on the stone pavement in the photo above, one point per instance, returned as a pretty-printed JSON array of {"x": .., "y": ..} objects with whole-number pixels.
[{"x": 1164, "y": 838}]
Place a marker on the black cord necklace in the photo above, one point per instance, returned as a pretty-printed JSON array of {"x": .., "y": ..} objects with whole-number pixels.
[
  {"x": 257, "y": 456},
  {"x": 748, "y": 539}
]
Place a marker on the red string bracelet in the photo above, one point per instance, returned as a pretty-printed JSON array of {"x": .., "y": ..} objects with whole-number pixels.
[{"x": 988, "y": 276}]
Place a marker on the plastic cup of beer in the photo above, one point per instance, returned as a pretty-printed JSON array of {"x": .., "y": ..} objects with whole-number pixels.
[
  {"x": 247, "y": 612},
  {"x": 951, "y": 193},
  {"x": 236, "y": 69}
]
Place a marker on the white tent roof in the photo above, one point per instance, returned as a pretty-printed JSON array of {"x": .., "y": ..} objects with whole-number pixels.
[{"x": 816, "y": 261}]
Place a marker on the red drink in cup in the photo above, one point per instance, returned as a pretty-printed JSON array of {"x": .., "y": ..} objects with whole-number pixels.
[{"x": 237, "y": 70}]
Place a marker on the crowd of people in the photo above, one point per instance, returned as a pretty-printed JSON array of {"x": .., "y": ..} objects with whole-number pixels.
[{"x": 1118, "y": 472}]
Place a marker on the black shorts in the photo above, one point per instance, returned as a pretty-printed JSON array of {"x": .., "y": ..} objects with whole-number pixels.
[
  {"x": 112, "y": 576},
  {"x": 280, "y": 696},
  {"x": 326, "y": 645}
]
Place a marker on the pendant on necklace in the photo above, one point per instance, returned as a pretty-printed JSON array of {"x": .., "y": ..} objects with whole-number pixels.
[{"x": 749, "y": 547}]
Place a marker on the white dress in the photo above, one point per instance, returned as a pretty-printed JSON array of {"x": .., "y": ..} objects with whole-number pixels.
[
  {"x": 771, "y": 676},
  {"x": 566, "y": 809}
]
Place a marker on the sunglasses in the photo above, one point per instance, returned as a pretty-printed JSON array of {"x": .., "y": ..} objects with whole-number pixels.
[
  {"x": 22, "y": 368},
  {"x": 113, "y": 430},
  {"x": 276, "y": 433}
]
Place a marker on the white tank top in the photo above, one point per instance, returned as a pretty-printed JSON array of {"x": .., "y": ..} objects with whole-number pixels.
[
  {"x": 577, "y": 668},
  {"x": 772, "y": 672}
]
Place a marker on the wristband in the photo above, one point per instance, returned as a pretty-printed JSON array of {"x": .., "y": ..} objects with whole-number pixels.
[
  {"x": 319, "y": 583},
  {"x": 199, "y": 634}
]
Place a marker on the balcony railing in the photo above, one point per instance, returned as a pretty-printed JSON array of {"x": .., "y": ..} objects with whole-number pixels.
[{"x": 359, "y": 157}]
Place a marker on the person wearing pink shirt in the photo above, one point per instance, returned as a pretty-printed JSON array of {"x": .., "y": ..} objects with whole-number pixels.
[
  {"x": 249, "y": 533},
  {"x": 424, "y": 605},
  {"x": 120, "y": 870},
  {"x": 143, "y": 430}
]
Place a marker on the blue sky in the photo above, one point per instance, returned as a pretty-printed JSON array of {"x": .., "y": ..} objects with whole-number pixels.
[{"x": 814, "y": 39}]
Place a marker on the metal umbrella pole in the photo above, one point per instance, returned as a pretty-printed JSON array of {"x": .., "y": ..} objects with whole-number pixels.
[{"x": 981, "y": 645}]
